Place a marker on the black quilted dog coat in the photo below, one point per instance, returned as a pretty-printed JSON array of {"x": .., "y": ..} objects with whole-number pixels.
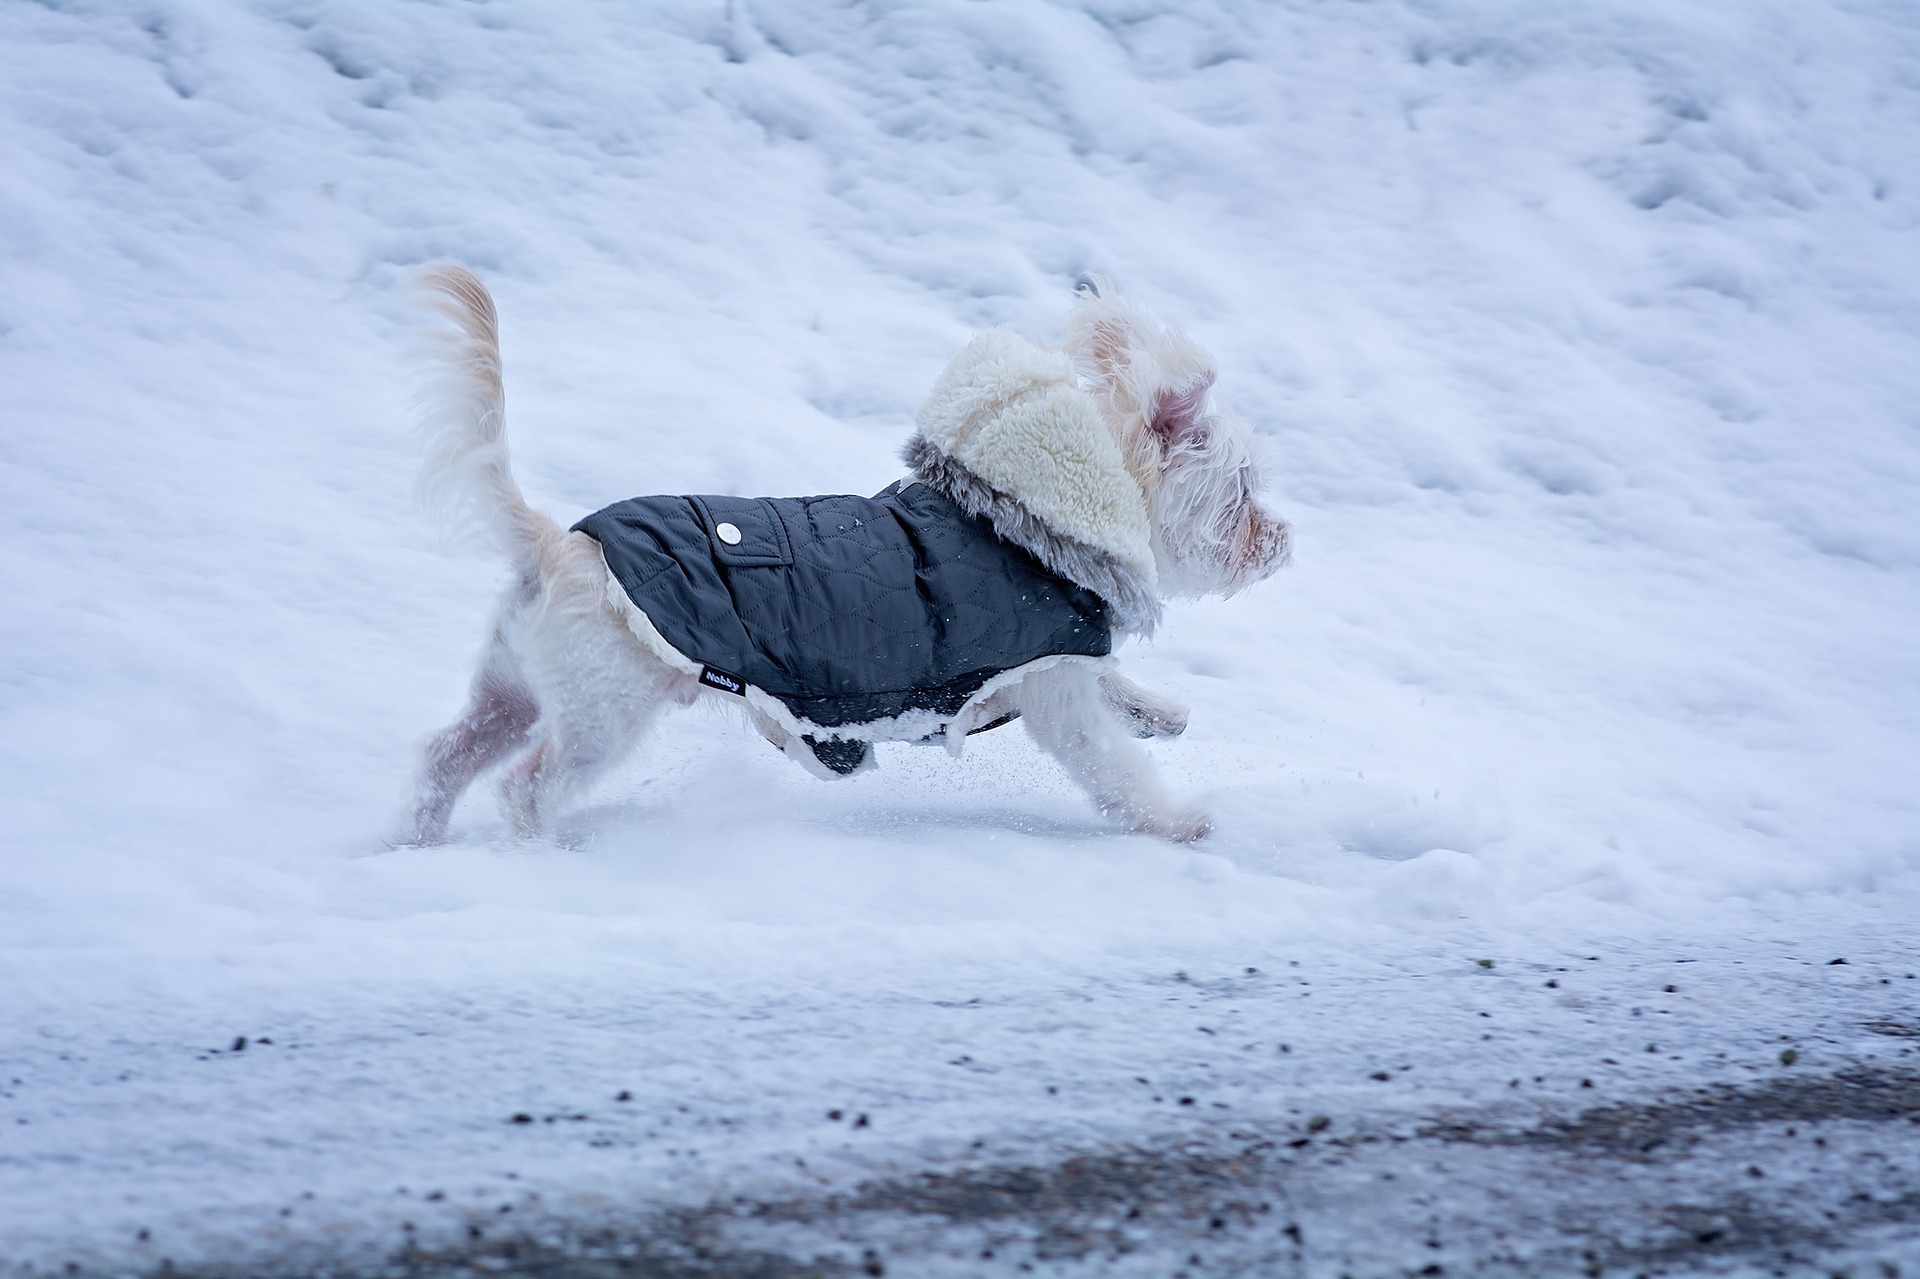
[{"x": 848, "y": 610}]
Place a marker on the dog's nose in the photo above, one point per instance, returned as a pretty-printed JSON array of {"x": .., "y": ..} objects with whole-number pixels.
[{"x": 727, "y": 533}]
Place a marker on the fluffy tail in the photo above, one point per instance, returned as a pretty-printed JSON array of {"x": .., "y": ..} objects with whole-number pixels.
[{"x": 461, "y": 418}]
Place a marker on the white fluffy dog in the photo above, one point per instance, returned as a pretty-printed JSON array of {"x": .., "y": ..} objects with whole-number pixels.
[{"x": 1097, "y": 475}]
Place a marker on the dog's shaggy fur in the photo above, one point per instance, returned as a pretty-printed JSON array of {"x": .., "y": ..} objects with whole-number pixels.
[{"x": 1104, "y": 459}]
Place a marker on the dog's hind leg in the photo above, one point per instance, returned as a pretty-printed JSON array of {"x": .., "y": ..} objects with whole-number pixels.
[
  {"x": 563, "y": 764},
  {"x": 589, "y": 722},
  {"x": 501, "y": 710},
  {"x": 567, "y": 759},
  {"x": 1066, "y": 712}
]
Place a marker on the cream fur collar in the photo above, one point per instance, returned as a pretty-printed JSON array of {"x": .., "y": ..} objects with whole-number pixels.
[{"x": 1009, "y": 436}]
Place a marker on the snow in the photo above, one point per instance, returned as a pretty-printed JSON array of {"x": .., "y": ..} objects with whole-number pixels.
[{"x": 1581, "y": 340}]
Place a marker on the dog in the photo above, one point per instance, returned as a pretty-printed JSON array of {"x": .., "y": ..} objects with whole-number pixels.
[{"x": 1058, "y": 495}]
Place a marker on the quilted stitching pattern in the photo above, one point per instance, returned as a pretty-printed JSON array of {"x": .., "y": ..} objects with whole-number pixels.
[{"x": 873, "y": 607}]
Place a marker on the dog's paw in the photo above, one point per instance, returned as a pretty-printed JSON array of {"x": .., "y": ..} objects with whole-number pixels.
[
  {"x": 422, "y": 830},
  {"x": 1146, "y": 714},
  {"x": 1158, "y": 721},
  {"x": 1183, "y": 827}
]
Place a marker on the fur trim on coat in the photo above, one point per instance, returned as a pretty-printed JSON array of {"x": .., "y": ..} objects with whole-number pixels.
[{"x": 1010, "y": 437}]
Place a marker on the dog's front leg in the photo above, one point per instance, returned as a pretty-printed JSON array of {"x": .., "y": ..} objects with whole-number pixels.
[
  {"x": 1067, "y": 713},
  {"x": 1147, "y": 713}
]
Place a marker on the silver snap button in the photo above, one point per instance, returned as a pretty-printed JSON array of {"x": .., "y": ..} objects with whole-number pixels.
[{"x": 727, "y": 533}]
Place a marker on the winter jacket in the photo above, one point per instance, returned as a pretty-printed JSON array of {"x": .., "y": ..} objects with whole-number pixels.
[
  {"x": 1021, "y": 540},
  {"x": 846, "y": 609}
]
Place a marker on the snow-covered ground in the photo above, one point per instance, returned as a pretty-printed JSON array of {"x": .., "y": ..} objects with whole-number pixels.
[{"x": 1582, "y": 339}]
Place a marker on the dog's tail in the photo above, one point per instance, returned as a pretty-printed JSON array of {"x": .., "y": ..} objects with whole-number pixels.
[{"x": 461, "y": 418}]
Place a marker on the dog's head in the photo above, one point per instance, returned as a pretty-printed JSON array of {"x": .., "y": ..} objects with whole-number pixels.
[{"x": 1193, "y": 461}]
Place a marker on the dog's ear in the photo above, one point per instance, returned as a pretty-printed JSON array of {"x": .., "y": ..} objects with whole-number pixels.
[
  {"x": 1177, "y": 411},
  {"x": 1102, "y": 330},
  {"x": 1106, "y": 347}
]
